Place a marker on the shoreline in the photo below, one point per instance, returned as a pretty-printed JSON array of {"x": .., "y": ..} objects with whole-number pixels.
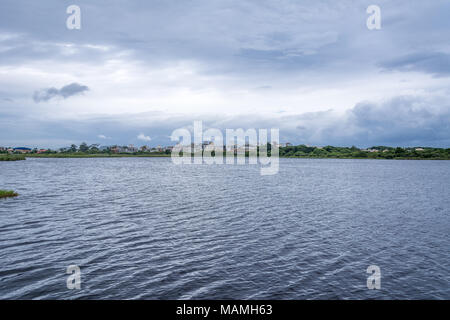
[
  {"x": 12, "y": 157},
  {"x": 61, "y": 156}
]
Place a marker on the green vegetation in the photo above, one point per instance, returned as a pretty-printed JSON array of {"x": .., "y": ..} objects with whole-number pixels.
[
  {"x": 94, "y": 155},
  {"x": 300, "y": 151},
  {"x": 86, "y": 151},
  {"x": 377, "y": 152},
  {"x": 7, "y": 194},
  {"x": 11, "y": 157}
]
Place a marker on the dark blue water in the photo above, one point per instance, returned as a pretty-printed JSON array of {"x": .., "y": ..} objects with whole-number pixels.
[{"x": 143, "y": 228}]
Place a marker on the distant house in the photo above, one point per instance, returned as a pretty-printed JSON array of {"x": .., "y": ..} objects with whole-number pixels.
[
  {"x": 230, "y": 148},
  {"x": 131, "y": 149},
  {"x": 42, "y": 150},
  {"x": 118, "y": 149},
  {"x": 114, "y": 149},
  {"x": 420, "y": 149},
  {"x": 22, "y": 150},
  {"x": 205, "y": 144}
]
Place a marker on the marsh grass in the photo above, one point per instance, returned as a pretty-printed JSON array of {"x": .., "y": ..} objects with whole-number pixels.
[
  {"x": 11, "y": 157},
  {"x": 7, "y": 194}
]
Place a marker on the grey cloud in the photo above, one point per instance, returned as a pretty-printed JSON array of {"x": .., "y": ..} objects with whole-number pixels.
[
  {"x": 265, "y": 41},
  {"x": 233, "y": 37},
  {"x": 436, "y": 63},
  {"x": 65, "y": 92},
  {"x": 402, "y": 121}
]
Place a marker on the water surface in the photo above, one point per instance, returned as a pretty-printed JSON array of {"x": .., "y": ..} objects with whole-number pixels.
[{"x": 143, "y": 228}]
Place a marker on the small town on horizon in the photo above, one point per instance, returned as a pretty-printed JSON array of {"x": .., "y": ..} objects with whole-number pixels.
[{"x": 131, "y": 149}]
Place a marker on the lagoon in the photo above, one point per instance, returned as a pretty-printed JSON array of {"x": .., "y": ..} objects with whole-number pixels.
[{"x": 144, "y": 228}]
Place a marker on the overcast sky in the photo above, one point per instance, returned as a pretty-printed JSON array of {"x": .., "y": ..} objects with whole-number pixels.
[{"x": 139, "y": 69}]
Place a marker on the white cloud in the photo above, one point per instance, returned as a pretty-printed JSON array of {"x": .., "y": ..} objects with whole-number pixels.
[
  {"x": 143, "y": 137},
  {"x": 102, "y": 136}
]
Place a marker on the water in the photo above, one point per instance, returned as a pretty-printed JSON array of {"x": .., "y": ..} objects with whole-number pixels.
[{"x": 143, "y": 228}]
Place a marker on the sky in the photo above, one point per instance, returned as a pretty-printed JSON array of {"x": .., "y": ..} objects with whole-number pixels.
[{"x": 137, "y": 70}]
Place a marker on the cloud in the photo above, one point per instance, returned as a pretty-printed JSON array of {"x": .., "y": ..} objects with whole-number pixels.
[
  {"x": 143, "y": 137},
  {"x": 65, "y": 92},
  {"x": 401, "y": 121},
  {"x": 435, "y": 63},
  {"x": 102, "y": 136},
  {"x": 235, "y": 63}
]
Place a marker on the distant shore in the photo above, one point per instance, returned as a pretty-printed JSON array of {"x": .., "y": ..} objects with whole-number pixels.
[
  {"x": 299, "y": 152},
  {"x": 12, "y": 157},
  {"x": 95, "y": 155},
  {"x": 101, "y": 155}
]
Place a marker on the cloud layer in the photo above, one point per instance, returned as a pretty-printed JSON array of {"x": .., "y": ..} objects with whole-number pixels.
[
  {"x": 310, "y": 68},
  {"x": 401, "y": 121}
]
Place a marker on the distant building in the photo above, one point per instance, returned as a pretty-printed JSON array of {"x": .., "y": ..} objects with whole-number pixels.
[
  {"x": 22, "y": 150},
  {"x": 206, "y": 144},
  {"x": 420, "y": 149},
  {"x": 114, "y": 149},
  {"x": 118, "y": 149},
  {"x": 131, "y": 149}
]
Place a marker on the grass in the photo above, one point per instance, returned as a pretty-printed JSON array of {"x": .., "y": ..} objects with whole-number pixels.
[
  {"x": 7, "y": 194},
  {"x": 11, "y": 157}
]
